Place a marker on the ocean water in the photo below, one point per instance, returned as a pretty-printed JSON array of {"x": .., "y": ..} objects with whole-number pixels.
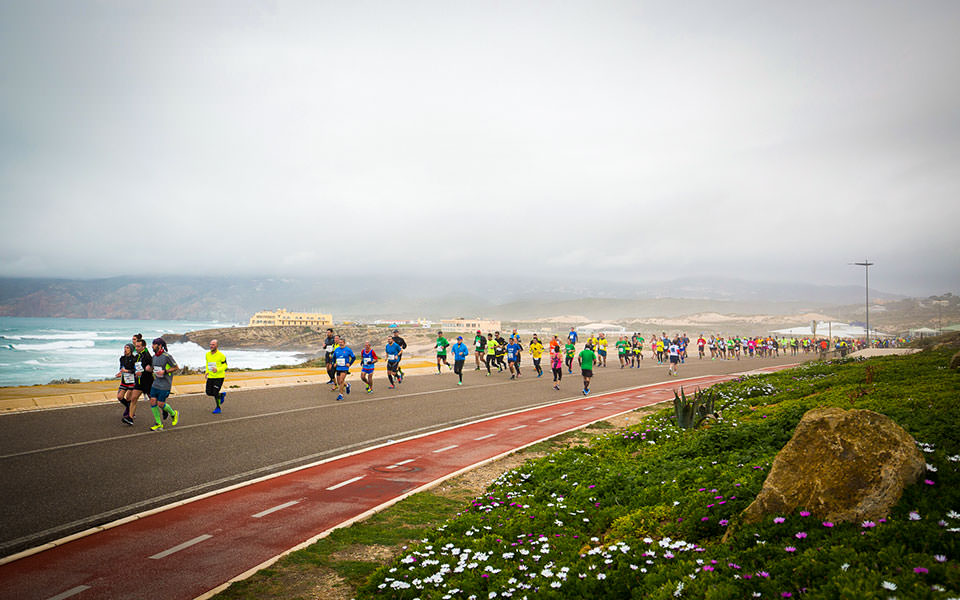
[{"x": 34, "y": 350}]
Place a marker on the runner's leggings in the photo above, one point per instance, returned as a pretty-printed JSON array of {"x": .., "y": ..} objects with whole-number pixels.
[
  {"x": 557, "y": 373},
  {"x": 536, "y": 365}
]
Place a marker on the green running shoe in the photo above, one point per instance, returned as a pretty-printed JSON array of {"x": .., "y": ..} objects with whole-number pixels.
[
  {"x": 157, "y": 427},
  {"x": 176, "y": 418}
]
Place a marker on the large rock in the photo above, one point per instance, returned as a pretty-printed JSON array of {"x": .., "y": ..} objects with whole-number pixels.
[
  {"x": 842, "y": 465},
  {"x": 955, "y": 361}
]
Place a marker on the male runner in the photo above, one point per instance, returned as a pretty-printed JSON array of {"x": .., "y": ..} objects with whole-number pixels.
[
  {"x": 622, "y": 349},
  {"x": 368, "y": 359},
  {"x": 701, "y": 343},
  {"x": 343, "y": 357},
  {"x": 570, "y": 351},
  {"x": 442, "y": 345},
  {"x": 460, "y": 352},
  {"x": 163, "y": 369},
  {"x": 536, "y": 352},
  {"x": 128, "y": 380},
  {"x": 328, "y": 346},
  {"x": 513, "y": 357},
  {"x": 602, "y": 349},
  {"x": 501, "y": 351},
  {"x": 215, "y": 373},
  {"x": 393, "y": 351},
  {"x": 403, "y": 346},
  {"x": 143, "y": 369},
  {"x": 572, "y": 336},
  {"x": 586, "y": 360},
  {"x": 673, "y": 352},
  {"x": 479, "y": 347},
  {"x": 491, "y": 349}
]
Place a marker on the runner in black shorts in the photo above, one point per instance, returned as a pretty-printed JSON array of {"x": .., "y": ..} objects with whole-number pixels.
[
  {"x": 144, "y": 372},
  {"x": 328, "y": 345},
  {"x": 403, "y": 346},
  {"x": 128, "y": 380}
]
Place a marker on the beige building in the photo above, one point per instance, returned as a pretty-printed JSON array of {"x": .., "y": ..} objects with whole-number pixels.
[
  {"x": 461, "y": 324},
  {"x": 283, "y": 317}
]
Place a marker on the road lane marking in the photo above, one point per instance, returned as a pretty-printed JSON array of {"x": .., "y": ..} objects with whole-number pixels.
[
  {"x": 183, "y": 546},
  {"x": 343, "y": 483},
  {"x": 567, "y": 414},
  {"x": 401, "y": 463},
  {"x": 588, "y": 408},
  {"x": 70, "y": 592},
  {"x": 275, "y": 509},
  {"x": 545, "y": 420},
  {"x": 483, "y": 437},
  {"x": 517, "y": 427},
  {"x": 439, "y": 450},
  {"x": 606, "y": 404}
]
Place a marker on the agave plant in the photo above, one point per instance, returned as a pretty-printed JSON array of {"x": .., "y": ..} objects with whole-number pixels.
[{"x": 691, "y": 412}]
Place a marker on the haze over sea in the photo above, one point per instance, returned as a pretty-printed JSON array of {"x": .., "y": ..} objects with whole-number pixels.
[{"x": 39, "y": 350}]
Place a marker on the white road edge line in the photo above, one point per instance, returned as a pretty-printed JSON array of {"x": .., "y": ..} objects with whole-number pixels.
[
  {"x": 400, "y": 464},
  {"x": 70, "y": 592},
  {"x": 183, "y": 546},
  {"x": 275, "y": 509},
  {"x": 439, "y": 450},
  {"x": 343, "y": 483},
  {"x": 483, "y": 437}
]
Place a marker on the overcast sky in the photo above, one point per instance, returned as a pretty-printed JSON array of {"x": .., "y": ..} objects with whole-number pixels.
[{"x": 623, "y": 140}]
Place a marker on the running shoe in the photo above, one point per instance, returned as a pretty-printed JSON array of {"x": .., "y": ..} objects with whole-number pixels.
[
  {"x": 449, "y": 366},
  {"x": 488, "y": 374},
  {"x": 585, "y": 392},
  {"x": 339, "y": 397},
  {"x": 348, "y": 388},
  {"x": 223, "y": 397},
  {"x": 331, "y": 382},
  {"x": 216, "y": 411},
  {"x": 556, "y": 387},
  {"x": 477, "y": 369},
  {"x": 127, "y": 420},
  {"x": 391, "y": 386},
  {"x": 176, "y": 418},
  {"x": 459, "y": 383},
  {"x": 157, "y": 427},
  {"x": 513, "y": 377},
  {"x": 538, "y": 375}
]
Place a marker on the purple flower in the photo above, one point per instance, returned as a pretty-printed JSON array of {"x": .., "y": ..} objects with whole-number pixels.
[
  {"x": 920, "y": 570},
  {"x": 868, "y": 524},
  {"x": 827, "y": 524},
  {"x": 733, "y": 565},
  {"x": 804, "y": 513},
  {"x": 707, "y": 568},
  {"x": 724, "y": 522},
  {"x": 786, "y": 595},
  {"x": 800, "y": 535},
  {"x": 763, "y": 574},
  {"x": 705, "y": 519},
  {"x": 778, "y": 519},
  {"x": 929, "y": 482},
  {"x": 790, "y": 549}
]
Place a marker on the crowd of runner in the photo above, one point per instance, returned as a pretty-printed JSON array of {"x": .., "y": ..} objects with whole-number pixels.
[{"x": 151, "y": 375}]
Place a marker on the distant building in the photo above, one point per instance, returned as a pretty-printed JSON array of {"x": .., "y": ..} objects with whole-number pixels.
[
  {"x": 461, "y": 324},
  {"x": 283, "y": 317}
]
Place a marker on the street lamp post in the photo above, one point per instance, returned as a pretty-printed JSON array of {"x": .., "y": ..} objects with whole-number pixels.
[{"x": 866, "y": 264}]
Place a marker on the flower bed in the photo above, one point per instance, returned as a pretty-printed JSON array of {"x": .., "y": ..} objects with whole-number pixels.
[{"x": 640, "y": 513}]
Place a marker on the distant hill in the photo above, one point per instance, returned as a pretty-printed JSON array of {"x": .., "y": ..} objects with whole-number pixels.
[{"x": 236, "y": 299}]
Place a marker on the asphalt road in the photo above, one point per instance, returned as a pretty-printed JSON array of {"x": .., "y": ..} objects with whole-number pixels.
[{"x": 69, "y": 469}]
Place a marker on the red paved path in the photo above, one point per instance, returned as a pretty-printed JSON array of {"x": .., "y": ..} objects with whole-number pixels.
[{"x": 221, "y": 536}]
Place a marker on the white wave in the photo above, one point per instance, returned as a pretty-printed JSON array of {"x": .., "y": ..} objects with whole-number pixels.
[
  {"x": 192, "y": 355},
  {"x": 66, "y": 335},
  {"x": 54, "y": 345}
]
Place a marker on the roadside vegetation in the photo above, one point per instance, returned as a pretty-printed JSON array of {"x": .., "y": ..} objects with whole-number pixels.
[{"x": 640, "y": 512}]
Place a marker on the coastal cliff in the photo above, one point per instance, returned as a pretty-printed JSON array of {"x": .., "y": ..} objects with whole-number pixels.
[{"x": 305, "y": 339}]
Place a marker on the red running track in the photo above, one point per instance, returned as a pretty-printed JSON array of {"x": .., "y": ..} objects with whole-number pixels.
[{"x": 192, "y": 548}]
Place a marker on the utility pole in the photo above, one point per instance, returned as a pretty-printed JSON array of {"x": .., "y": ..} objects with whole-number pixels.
[{"x": 866, "y": 264}]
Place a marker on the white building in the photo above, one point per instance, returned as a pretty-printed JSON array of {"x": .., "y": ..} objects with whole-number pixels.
[{"x": 461, "y": 324}]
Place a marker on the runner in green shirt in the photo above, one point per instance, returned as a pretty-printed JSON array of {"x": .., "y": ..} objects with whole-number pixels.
[
  {"x": 586, "y": 360},
  {"x": 571, "y": 350},
  {"x": 442, "y": 345},
  {"x": 623, "y": 347}
]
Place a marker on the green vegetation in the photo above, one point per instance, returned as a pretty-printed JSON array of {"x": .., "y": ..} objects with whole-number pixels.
[{"x": 641, "y": 512}]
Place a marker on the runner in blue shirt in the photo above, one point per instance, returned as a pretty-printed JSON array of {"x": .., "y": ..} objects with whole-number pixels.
[
  {"x": 368, "y": 358},
  {"x": 393, "y": 350},
  {"x": 572, "y": 336},
  {"x": 513, "y": 357},
  {"x": 460, "y": 353},
  {"x": 343, "y": 357}
]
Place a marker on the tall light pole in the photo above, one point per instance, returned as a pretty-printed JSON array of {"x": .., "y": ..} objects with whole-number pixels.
[{"x": 866, "y": 264}]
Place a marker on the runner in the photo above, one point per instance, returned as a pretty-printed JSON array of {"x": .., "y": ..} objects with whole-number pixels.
[
  {"x": 403, "y": 346},
  {"x": 368, "y": 359},
  {"x": 556, "y": 365},
  {"x": 501, "y": 351},
  {"x": 638, "y": 351},
  {"x": 572, "y": 336},
  {"x": 536, "y": 351},
  {"x": 701, "y": 343},
  {"x": 163, "y": 369},
  {"x": 128, "y": 380},
  {"x": 491, "y": 349},
  {"x": 393, "y": 351},
  {"x": 460, "y": 353},
  {"x": 673, "y": 352},
  {"x": 602, "y": 349},
  {"x": 442, "y": 345},
  {"x": 143, "y": 369},
  {"x": 513, "y": 357},
  {"x": 623, "y": 348},
  {"x": 215, "y": 373},
  {"x": 479, "y": 347},
  {"x": 586, "y": 360},
  {"x": 343, "y": 357},
  {"x": 328, "y": 346},
  {"x": 570, "y": 350}
]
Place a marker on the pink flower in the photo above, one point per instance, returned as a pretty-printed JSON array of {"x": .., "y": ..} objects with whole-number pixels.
[
  {"x": 827, "y": 524},
  {"x": 724, "y": 522},
  {"x": 800, "y": 535},
  {"x": 778, "y": 519},
  {"x": 790, "y": 549},
  {"x": 929, "y": 482},
  {"x": 920, "y": 570},
  {"x": 786, "y": 595},
  {"x": 804, "y": 513},
  {"x": 705, "y": 519},
  {"x": 707, "y": 568},
  {"x": 763, "y": 574},
  {"x": 868, "y": 524}
]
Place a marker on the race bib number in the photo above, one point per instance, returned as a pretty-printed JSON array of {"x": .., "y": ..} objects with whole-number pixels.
[
  {"x": 391, "y": 357},
  {"x": 439, "y": 348},
  {"x": 138, "y": 368},
  {"x": 328, "y": 349},
  {"x": 128, "y": 377},
  {"x": 211, "y": 367},
  {"x": 341, "y": 362},
  {"x": 367, "y": 360}
]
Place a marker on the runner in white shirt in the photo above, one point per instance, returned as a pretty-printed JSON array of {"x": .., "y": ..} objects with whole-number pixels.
[{"x": 674, "y": 352}]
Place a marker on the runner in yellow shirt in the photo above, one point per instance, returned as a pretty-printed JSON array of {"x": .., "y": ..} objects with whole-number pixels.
[
  {"x": 536, "y": 352},
  {"x": 215, "y": 373}
]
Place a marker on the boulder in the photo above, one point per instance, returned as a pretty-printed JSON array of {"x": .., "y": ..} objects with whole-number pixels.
[
  {"x": 841, "y": 465},
  {"x": 955, "y": 361}
]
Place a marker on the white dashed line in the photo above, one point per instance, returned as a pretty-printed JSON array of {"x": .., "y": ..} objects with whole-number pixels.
[
  {"x": 545, "y": 420},
  {"x": 275, "y": 509},
  {"x": 439, "y": 450},
  {"x": 70, "y": 592},
  {"x": 401, "y": 463},
  {"x": 517, "y": 427},
  {"x": 187, "y": 544},
  {"x": 606, "y": 404},
  {"x": 566, "y": 414},
  {"x": 483, "y": 437},
  {"x": 343, "y": 483},
  {"x": 588, "y": 408}
]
